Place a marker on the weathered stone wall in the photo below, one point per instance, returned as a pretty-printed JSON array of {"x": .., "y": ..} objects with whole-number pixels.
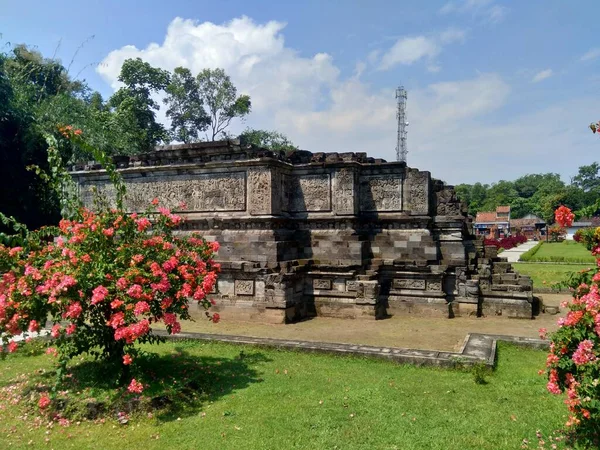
[{"x": 331, "y": 234}]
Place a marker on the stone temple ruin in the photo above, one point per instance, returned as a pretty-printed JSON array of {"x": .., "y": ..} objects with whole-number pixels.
[{"x": 326, "y": 234}]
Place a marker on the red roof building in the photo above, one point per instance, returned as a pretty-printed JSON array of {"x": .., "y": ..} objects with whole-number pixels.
[{"x": 494, "y": 224}]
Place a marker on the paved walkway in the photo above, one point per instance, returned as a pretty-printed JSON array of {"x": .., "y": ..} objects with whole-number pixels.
[
  {"x": 515, "y": 253},
  {"x": 476, "y": 348}
]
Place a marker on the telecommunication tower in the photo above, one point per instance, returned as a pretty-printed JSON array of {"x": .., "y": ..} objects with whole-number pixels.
[{"x": 401, "y": 149}]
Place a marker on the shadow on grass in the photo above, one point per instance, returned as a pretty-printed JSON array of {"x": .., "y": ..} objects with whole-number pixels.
[{"x": 177, "y": 384}]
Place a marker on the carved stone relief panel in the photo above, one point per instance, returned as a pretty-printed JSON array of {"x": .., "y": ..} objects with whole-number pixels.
[
  {"x": 409, "y": 284},
  {"x": 417, "y": 192},
  {"x": 308, "y": 193},
  {"x": 343, "y": 193},
  {"x": 351, "y": 285},
  {"x": 381, "y": 193},
  {"x": 434, "y": 285},
  {"x": 319, "y": 283},
  {"x": 259, "y": 190},
  {"x": 200, "y": 193},
  {"x": 244, "y": 287}
]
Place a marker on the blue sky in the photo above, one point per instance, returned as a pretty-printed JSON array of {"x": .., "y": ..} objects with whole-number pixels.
[{"x": 496, "y": 89}]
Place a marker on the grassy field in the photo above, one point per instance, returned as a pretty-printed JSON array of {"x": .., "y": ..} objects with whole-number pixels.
[
  {"x": 545, "y": 275},
  {"x": 566, "y": 251},
  {"x": 263, "y": 399}
]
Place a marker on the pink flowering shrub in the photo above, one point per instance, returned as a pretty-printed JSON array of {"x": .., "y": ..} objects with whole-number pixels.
[
  {"x": 573, "y": 364},
  {"x": 104, "y": 283}
]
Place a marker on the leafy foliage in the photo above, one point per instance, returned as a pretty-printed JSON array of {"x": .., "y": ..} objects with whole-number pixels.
[
  {"x": 538, "y": 194},
  {"x": 221, "y": 100},
  {"x": 271, "y": 140},
  {"x": 573, "y": 364}
]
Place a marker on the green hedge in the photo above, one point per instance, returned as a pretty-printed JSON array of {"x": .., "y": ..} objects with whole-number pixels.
[{"x": 530, "y": 254}]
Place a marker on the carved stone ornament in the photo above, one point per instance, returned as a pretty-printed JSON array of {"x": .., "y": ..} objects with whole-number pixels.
[
  {"x": 351, "y": 285},
  {"x": 319, "y": 283},
  {"x": 344, "y": 191},
  {"x": 381, "y": 193},
  {"x": 259, "y": 199},
  {"x": 244, "y": 287},
  {"x": 308, "y": 193},
  {"x": 200, "y": 193},
  {"x": 409, "y": 284}
]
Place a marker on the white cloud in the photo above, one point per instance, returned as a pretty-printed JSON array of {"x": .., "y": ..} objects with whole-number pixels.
[
  {"x": 591, "y": 54},
  {"x": 486, "y": 10},
  {"x": 541, "y": 75},
  {"x": 456, "y": 130},
  {"x": 410, "y": 49}
]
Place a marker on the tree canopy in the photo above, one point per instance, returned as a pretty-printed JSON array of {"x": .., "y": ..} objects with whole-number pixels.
[{"x": 538, "y": 194}]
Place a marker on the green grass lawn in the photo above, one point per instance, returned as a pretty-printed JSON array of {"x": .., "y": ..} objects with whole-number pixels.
[
  {"x": 545, "y": 275},
  {"x": 271, "y": 399},
  {"x": 565, "y": 251}
]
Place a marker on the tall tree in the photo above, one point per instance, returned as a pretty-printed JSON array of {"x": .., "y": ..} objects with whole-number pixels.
[
  {"x": 588, "y": 177},
  {"x": 134, "y": 107},
  {"x": 221, "y": 100},
  {"x": 185, "y": 107}
]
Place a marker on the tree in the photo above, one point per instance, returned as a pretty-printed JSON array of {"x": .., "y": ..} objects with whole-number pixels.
[
  {"x": 185, "y": 107},
  {"x": 588, "y": 177},
  {"x": 271, "y": 140},
  {"x": 134, "y": 106},
  {"x": 221, "y": 100}
]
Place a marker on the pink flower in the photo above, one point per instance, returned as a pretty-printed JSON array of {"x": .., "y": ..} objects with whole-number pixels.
[
  {"x": 215, "y": 318},
  {"x": 135, "y": 387},
  {"x": 543, "y": 332},
  {"x": 12, "y": 347},
  {"x": 52, "y": 351},
  {"x": 108, "y": 232},
  {"x": 99, "y": 294},
  {"x": 215, "y": 246},
  {"x": 122, "y": 283},
  {"x": 33, "y": 326},
  {"x": 55, "y": 331},
  {"x": 573, "y": 318},
  {"x": 116, "y": 320},
  {"x": 584, "y": 353},
  {"x": 155, "y": 201},
  {"x": 44, "y": 401},
  {"x": 127, "y": 360},
  {"x": 137, "y": 258},
  {"x": 135, "y": 291},
  {"x": 142, "y": 223},
  {"x": 74, "y": 311},
  {"x": 14, "y": 251},
  {"x": 116, "y": 303},
  {"x": 141, "y": 308},
  {"x": 70, "y": 329}
]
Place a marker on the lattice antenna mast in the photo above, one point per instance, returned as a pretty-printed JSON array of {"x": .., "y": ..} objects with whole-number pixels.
[{"x": 401, "y": 148}]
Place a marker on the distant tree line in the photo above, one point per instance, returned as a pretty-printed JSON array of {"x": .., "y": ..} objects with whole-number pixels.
[
  {"x": 37, "y": 95},
  {"x": 538, "y": 194}
]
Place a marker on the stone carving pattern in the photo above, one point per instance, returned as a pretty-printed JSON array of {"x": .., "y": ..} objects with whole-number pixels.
[
  {"x": 319, "y": 283},
  {"x": 351, "y": 285},
  {"x": 259, "y": 185},
  {"x": 418, "y": 187},
  {"x": 447, "y": 203},
  {"x": 434, "y": 285},
  {"x": 381, "y": 193},
  {"x": 308, "y": 193},
  {"x": 244, "y": 287},
  {"x": 344, "y": 191},
  {"x": 204, "y": 193},
  {"x": 409, "y": 284}
]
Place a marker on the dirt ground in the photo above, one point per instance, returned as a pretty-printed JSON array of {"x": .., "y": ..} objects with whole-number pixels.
[{"x": 398, "y": 331}]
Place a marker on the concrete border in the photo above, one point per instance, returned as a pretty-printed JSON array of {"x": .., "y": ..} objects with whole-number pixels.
[{"x": 476, "y": 348}]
